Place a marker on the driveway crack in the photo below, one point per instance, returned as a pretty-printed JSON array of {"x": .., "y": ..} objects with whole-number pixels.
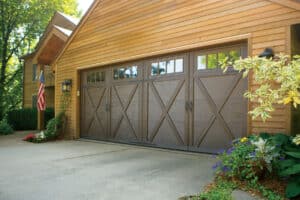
[{"x": 92, "y": 155}]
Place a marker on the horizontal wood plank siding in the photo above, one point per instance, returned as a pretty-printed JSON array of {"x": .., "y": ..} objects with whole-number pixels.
[
  {"x": 30, "y": 87},
  {"x": 118, "y": 30}
]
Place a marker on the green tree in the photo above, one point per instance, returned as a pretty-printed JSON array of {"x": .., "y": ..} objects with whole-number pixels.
[
  {"x": 22, "y": 23},
  {"x": 278, "y": 81}
]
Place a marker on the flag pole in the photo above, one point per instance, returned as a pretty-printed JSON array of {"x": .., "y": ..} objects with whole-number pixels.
[{"x": 41, "y": 113}]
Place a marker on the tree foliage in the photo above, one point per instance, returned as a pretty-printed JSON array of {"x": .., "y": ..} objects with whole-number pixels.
[
  {"x": 277, "y": 80},
  {"x": 22, "y": 23}
]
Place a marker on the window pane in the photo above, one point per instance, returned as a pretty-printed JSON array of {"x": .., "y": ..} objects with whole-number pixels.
[
  {"x": 116, "y": 74},
  {"x": 88, "y": 78},
  {"x": 127, "y": 72},
  {"x": 201, "y": 62},
  {"x": 162, "y": 68},
  {"x": 222, "y": 57},
  {"x": 98, "y": 77},
  {"x": 134, "y": 71},
  {"x": 179, "y": 65},
  {"x": 121, "y": 73},
  {"x": 93, "y": 77},
  {"x": 170, "y": 66},
  {"x": 234, "y": 55},
  {"x": 154, "y": 69},
  {"x": 102, "y": 76},
  {"x": 212, "y": 61}
]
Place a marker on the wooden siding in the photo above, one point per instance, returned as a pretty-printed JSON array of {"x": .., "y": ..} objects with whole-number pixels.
[
  {"x": 30, "y": 87},
  {"x": 120, "y": 30}
]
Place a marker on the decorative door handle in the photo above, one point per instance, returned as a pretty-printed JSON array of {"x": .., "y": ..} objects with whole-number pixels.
[{"x": 189, "y": 106}]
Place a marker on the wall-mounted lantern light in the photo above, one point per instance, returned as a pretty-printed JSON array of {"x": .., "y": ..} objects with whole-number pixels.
[
  {"x": 268, "y": 53},
  {"x": 66, "y": 85}
]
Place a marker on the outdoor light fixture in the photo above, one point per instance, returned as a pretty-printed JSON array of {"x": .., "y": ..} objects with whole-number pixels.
[
  {"x": 268, "y": 53},
  {"x": 66, "y": 85}
]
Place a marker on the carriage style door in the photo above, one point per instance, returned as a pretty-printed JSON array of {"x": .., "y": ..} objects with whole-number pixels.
[
  {"x": 94, "y": 104},
  {"x": 181, "y": 101},
  {"x": 219, "y": 112},
  {"x": 167, "y": 94}
]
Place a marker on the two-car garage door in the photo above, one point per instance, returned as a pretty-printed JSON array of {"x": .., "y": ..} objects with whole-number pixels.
[{"x": 182, "y": 101}]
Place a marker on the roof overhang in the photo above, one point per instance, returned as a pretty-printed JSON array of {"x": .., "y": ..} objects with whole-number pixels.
[{"x": 52, "y": 44}]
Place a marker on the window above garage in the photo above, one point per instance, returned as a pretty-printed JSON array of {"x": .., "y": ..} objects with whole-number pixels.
[
  {"x": 95, "y": 77},
  {"x": 129, "y": 72},
  {"x": 213, "y": 59},
  {"x": 169, "y": 66}
]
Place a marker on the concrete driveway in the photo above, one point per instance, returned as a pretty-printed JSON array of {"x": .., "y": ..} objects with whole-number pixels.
[{"x": 82, "y": 170}]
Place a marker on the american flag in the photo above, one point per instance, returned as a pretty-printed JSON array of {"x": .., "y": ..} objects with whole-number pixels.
[{"x": 41, "y": 103}]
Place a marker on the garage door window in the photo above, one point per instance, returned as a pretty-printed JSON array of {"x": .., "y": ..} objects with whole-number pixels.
[
  {"x": 121, "y": 73},
  {"x": 95, "y": 77},
  {"x": 167, "y": 67},
  {"x": 213, "y": 60}
]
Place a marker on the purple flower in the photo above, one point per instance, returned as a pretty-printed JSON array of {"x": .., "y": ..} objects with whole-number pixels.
[
  {"x": 252, "y": 154},
  {"x": 217, "y": 165},
  {"x": 221, "y": 151},
  {"x": 230, "y": 150},
  {"x": 226, "y": 169},
  {"x": 281, "y": 158}
]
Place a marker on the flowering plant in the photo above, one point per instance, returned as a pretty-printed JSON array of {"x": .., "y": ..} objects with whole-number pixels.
[
  {"x": 36, "y": 138},
  {"x": 29, "y": 138},
  {"x": 247, "y": 159},
  {"x": 296, "y": 140},
  {"x": 265, "y": 150}
]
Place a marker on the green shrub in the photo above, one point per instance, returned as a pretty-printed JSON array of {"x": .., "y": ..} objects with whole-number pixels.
[
  {"x": 26, "y": 118},
  {"x": 5, "y": 128},
  {"x": 23, "y": 119},
  {"x": 221, "y": 191},
  {"x": 54, "y": 126},
  {"x": 289, "y": 166},
  {"x": 49, "y": 114}
]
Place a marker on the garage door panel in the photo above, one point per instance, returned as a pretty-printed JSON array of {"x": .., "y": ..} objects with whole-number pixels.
[
  {"x": 125, "y": 112},
  {"x": 125, "y": 133},
  {"x": 219, "y": 87},
  {"x": 125, "y": 92},
  {"x": 167, "y": 89},
  {"x": 154, "y": 112},
  {"x": 134, "y": 112},
  {"x": 234, "y": 110},
  {"x": 166, "y": 136},
  {"x": 179, "y": 119},
  {"x": 215, "y": 140}
]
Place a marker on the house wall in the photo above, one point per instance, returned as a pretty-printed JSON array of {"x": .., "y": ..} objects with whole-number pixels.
[
  {"x": 124, "y": 30},
  {"x": 30, "y": 86}
]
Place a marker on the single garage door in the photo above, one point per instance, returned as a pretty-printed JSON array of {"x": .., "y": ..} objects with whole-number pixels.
[{"x": 181, "y": 101}]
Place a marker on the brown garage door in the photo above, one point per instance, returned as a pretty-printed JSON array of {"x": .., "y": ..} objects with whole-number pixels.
[{"x": 182, "y": 101}]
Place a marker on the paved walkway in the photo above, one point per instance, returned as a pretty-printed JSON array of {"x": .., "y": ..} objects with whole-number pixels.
[{"x": 81, "y": 170}]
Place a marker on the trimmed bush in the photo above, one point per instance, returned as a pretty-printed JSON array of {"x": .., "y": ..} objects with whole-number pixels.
[
  {"x": 5, "y": 128},
  {"x": 26, "y": 118}
]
